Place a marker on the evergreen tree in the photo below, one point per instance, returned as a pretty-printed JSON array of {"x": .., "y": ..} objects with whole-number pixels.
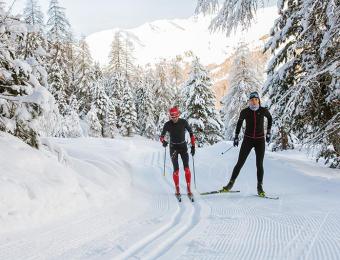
[
  {"x": 163, "y": 95},
  {"x": 58, "y": 34},
  {"x": 71, "y": 121},
  {"x": 120, "y": 69},
  {"x": 110, "y": 123},
  {"x": 145, "y": 109},
  {"x": 94, "y": 126},
  {"x": 114, "y": 86},
  {"x": 304, "y": 75},
  {"x": 120, "y": 57},
  {"x": 100, "y": 101},
  {"x": 33, "y": 14},
  {"x": 116, "y": 55},
  {"x": 22, "y": 98},
  {"x": 199, "y": 107},
  {"x": 33, "y": 49},
  {"x": 243, "y": 79},
  {"x": 58, "y": 27},
  {"x": 35, "y": 43},
  {"x": 233, "y": 14},
  {"x": 128, "y": 116},
  {"x": 87, "y": 74},
  {"x": 177, "y": 79}
]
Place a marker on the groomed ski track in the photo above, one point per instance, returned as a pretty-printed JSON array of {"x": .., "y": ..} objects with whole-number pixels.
[{"x": 149, "y": 222}]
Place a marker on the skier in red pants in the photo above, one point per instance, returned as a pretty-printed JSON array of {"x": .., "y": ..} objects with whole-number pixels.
[{"x": 178, "y": 146}]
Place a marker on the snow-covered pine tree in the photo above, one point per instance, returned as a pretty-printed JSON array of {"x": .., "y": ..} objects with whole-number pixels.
[
  {"x": 121, "y": 56},
  {"x": 199, "y": 108},
  {"x": 128, "y": 58},
  {"x": 233, "y": 13},
  {"x": 114, "y": 85},
  {"x": 85, "y": 76},
  {"x": 50, "y": 123},
  {"x": 242, "y": 80},
  {"x": 22, "y": 98},
  {"x": 58, "y": 33},
  {"x": 100, "y": 100},
  {"x": 110, "y": 122},
  {"x": 71, "y": 121},
  {"x": 33, "y": 14},
  {"x": 94, "y": 126},
  {"x": 72, "y": 63},
  {"x": 120, "y": 69},
  {"x": 163, "y": 94},
  {"x": 128, "y": 115},
  {"x": 34, "y": 47},
  {"x": 116, "y": 55},
  {"x": 145, "y": 108},
  {"x": 304, "y": 74},
  {"x": 97, "y": 72},
  {"x": 176, "y": 78}
]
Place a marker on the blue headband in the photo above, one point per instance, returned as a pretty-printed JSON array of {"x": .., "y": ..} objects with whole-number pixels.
[{"x": 254, "y": 95}]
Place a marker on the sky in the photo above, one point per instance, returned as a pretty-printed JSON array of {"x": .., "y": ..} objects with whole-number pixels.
[{"x": 89, "y": 16}]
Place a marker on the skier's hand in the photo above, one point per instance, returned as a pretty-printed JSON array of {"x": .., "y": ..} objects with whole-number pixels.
[
  {"x": 165, "y": 143},
  {"x": 192, "y": 150},
  {"x": 268, "y": 137},
  {"x": 236, "y": 141}
]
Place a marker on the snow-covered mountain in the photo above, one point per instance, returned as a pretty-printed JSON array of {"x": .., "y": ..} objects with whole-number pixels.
[{"x": 168, "y": 38}]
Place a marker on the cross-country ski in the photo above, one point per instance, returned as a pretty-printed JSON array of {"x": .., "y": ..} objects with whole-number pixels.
[{"x": 219, "y": 191}]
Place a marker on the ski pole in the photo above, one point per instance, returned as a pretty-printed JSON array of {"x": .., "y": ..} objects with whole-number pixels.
[
  {"x": 226, "y": 150},
  {"x": 193, "y": 166},
  {"x": 164, "y": 161}
]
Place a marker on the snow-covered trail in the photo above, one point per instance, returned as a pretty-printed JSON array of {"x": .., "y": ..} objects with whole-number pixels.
[{"x": 147, "y": 222}]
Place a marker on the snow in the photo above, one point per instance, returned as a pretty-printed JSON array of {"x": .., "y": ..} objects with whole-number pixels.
[
  {"x": 94, "y": 198},
  {"x": 160, "y": 39}
]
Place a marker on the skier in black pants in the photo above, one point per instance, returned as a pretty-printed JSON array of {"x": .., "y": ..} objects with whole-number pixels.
[
  {"x": 178, "y": 146},
  {"x": 253, "y": 138}
]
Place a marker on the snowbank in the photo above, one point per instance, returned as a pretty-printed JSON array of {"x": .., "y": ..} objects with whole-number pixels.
[{"x": 38, "y": 186}]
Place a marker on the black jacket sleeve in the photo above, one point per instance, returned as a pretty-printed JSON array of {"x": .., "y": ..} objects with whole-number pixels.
[
  {"x": 269, "y": 118},
  {"x": 239, "y": 122},
  {"x": 165, "y": 129},
  {"x": 188, "y": 128}
]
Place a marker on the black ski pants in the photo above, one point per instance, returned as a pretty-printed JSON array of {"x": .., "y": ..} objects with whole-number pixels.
[
  {"x": 248, "y": 144},
  {"x": 179, "y": 149}
]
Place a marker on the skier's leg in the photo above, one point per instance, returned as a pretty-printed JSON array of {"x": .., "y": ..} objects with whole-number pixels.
[
  {"x": 175, "y": 175},
  {"x": 246, "y": 147},
  {"x": 185, "y": 159},
  {"x": 259, "y": 151}
]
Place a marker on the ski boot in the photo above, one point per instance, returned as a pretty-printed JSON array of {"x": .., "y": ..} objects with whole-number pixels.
[
  {"x": 228, "y": 187},
  {"x": 260, "y": 190},
  {"x": 177, "y": 191},
  {"x": 190, "y": 195}
]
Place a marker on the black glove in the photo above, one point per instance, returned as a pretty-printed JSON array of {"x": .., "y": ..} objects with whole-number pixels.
[
  {"x": 165, "y": 143},
  {"x": 192, "y": 150},
  {"x": 268, "y": 137},
  {"x": 236, "y": 141}
]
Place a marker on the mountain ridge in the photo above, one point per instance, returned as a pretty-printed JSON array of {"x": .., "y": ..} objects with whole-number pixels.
[{"x": 159, "y": 39}]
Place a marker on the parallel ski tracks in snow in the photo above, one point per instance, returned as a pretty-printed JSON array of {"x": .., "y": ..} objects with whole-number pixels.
[
  {"x": 303, "y": 224},
  {"x": 184, "y": 219}
]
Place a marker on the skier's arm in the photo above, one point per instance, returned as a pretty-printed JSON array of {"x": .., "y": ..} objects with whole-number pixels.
[
  {"x": 189, "y": 129},
  {"x": 239, "y": 123},
  {"x": 270, "y": 120},
  {"x": 165, "y": 129}
]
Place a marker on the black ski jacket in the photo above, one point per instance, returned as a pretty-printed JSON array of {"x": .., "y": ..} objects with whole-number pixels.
[
  {"x": 254, "y": 122},
  {"x": 177, "y": 131}
]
